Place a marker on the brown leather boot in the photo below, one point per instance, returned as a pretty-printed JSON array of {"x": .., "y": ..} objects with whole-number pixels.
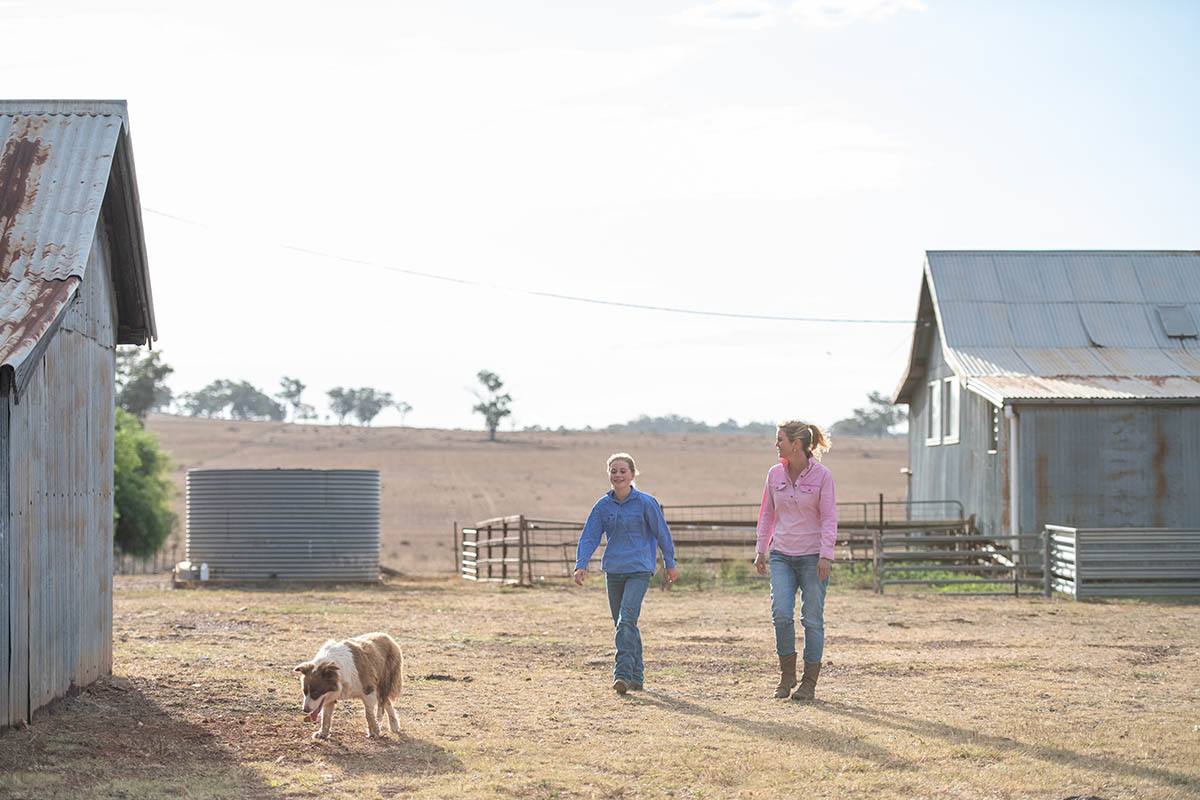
[
  {"x": 787, "y": 675},
  {"x": 808, "y": 682}
]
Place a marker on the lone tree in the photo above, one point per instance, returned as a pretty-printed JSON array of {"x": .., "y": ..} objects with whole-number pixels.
[
  {"x": 494, "y": 407},
  {"x": 369, "y": 402},
  {"x": 403, "y": 408},
  {"x": 290, "y": 392},
  {"x": 877, "y": 419},
  {"x": 141, "y": 386},
  {"x": 342, "y": 402}
]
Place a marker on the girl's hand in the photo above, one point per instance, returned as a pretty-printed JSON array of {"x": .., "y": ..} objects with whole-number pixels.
[
  {"x": 824, "y": 567},
  {"x": 672, "y": 575},
  {"x": 760, "y": 563},
  {"x": 580, "y": 575}
]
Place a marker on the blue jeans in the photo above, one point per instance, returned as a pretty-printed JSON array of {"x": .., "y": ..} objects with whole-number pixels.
[
  {"x": 789, "y": 573},
  {"x": 625, "y": 593}
]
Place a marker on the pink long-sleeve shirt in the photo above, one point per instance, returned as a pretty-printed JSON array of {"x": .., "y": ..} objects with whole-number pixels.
[{"x": 798, "y": 519}]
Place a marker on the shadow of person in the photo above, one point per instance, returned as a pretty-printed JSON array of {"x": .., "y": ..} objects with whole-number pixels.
[
  {"x": 798, "y": 734},
  {"x": 1054, "y": 755}
]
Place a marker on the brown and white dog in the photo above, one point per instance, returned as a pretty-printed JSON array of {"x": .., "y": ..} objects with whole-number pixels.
[{"x": 368, "y": 667}]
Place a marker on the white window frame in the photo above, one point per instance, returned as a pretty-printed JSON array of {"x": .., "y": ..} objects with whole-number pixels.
[
  {"x": 951, "y": 410},
  {"x": 933, "y": 426},
  {"x": 993, "y": 426}
]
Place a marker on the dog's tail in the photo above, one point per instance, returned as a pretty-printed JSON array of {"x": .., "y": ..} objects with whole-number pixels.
[{"x": 392, "y": 682}]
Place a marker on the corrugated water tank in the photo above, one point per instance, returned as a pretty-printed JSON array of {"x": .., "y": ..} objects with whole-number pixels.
[{"x": 284, "y": 524}]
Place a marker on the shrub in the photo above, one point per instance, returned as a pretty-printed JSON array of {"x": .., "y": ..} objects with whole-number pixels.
[{"x": 142, "y": 516}]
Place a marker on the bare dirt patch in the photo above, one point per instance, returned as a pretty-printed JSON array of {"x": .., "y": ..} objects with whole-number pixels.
[{"x": 508, "y": 695}]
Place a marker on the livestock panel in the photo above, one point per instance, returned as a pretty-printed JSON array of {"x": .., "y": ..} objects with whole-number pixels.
[{"x": 1129, "y": 562}]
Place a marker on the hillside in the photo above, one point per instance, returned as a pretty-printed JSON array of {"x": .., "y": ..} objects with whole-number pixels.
[{"x": 434, "y": 478}]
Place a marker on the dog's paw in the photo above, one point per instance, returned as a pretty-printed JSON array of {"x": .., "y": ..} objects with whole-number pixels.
[
  {"x": 320, "y": 735},
  {"x": 394, "y": 727}
]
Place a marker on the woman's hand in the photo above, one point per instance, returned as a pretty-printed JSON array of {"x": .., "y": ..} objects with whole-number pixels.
[
  {"x": 580, "y": 576},
  {"x": 672, "y": 575},
  {"x": 824, "y": 567},
  {"x": 760, "y": 563}
]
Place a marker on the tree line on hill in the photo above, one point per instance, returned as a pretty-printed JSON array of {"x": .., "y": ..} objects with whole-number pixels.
[
  {"x": 142, "y": 388},
  {"x": 674, "y": 423},
  {"x": 877, "y": 419},
  {"x": 142, "y": 515}
]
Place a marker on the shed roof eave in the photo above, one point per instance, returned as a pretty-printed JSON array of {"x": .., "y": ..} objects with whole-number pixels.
[
  {"x": 130, "y": 240},
  {"x": 926, "y": 315},
  {"x": 995, "y": 398},
  {"x": 1101, "y": 401}
]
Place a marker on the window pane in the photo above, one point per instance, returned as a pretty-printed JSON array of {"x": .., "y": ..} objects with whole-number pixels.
[
  {"x": 950, "y": 409},
  {"x": 933, "y": 432}
]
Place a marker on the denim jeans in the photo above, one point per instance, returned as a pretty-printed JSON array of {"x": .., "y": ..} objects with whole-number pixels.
[
  {"x": 789, "y": 573},
  {"x": 625, "y": 593}
]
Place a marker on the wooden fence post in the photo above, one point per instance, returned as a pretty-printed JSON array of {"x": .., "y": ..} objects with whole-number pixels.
[
  {"x": 490, "y": 545},
  {"x": 504, "y": 552},
  {"x": 523, "y": 553},
  {"x": 878, "y": 550}
]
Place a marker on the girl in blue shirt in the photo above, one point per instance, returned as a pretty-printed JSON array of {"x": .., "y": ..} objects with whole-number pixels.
[{"x": 633, "y": 525}]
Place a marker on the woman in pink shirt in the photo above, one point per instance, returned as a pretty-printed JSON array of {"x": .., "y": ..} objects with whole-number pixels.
[{"x": 797, "y": 527}]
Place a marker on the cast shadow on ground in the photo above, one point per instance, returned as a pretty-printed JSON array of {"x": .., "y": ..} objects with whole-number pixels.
[
  {"x": 1055, "y": 755},
  {"x": 773, "y": 730},
  {"x": 389, "y": 755},
  {"x": 111, "y": 740},
  {"x": 390, "y": 585}
]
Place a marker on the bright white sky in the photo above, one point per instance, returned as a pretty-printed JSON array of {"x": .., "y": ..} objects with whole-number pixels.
[{"x": 791, "y": 158}]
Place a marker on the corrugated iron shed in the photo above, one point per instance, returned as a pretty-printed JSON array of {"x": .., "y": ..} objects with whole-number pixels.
[
  {"x": 1062, "y": 325},
  {"x": 64, "y": 164}
]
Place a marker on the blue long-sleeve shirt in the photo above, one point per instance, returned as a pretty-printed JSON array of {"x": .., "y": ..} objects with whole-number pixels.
[{"x": 633, "y": 527}]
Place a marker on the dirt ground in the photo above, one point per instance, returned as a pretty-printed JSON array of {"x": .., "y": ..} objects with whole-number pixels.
[
  {"x": 432, "y": 479},
  {"x": 508, "y": 695}
]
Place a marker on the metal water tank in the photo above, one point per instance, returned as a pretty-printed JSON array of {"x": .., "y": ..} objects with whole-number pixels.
[{"x": 284, "y": 524}]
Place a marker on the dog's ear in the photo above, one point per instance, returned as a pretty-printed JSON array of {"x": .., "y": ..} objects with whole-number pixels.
[
  {"x": 307, "y": 667},
  {"x": 329, "y": 670}
]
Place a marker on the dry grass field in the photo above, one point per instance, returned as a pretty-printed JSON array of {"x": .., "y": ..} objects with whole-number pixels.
[
  {"x": 507, "y": 697},
  {"x": 434, "y": 478}
]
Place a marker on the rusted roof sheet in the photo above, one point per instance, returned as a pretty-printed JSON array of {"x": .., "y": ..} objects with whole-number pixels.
[
  {"x": 1007, "y": 388},
  {"x": 1060, "y": 325},
  {"x": 56, "y": 160},
  {"x": 28, "y": 309}
]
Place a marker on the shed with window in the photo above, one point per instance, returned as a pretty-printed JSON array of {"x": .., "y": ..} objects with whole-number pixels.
[{"x": 1057, "y": 387}]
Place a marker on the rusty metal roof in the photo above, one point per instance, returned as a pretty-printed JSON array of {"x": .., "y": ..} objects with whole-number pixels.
[
  {"x": 65, "y": 166},
  {"x": 1062, "y": 325}
]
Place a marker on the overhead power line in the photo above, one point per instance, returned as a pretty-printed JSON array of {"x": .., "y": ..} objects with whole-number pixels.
[{"x": 416, "y": 273}]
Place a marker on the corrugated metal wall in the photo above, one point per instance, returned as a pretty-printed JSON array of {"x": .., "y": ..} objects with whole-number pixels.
[
  {"x": 1103, "y": 465},
  {"x": 284, "y": 524},
  {"x": 1110, "y": 466},
  {"x": 60, "y": 506},
  {"x": 963, "y": 471}
]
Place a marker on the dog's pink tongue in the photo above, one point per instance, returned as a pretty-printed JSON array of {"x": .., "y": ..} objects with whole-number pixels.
[{"x": 313, "y": 716}]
